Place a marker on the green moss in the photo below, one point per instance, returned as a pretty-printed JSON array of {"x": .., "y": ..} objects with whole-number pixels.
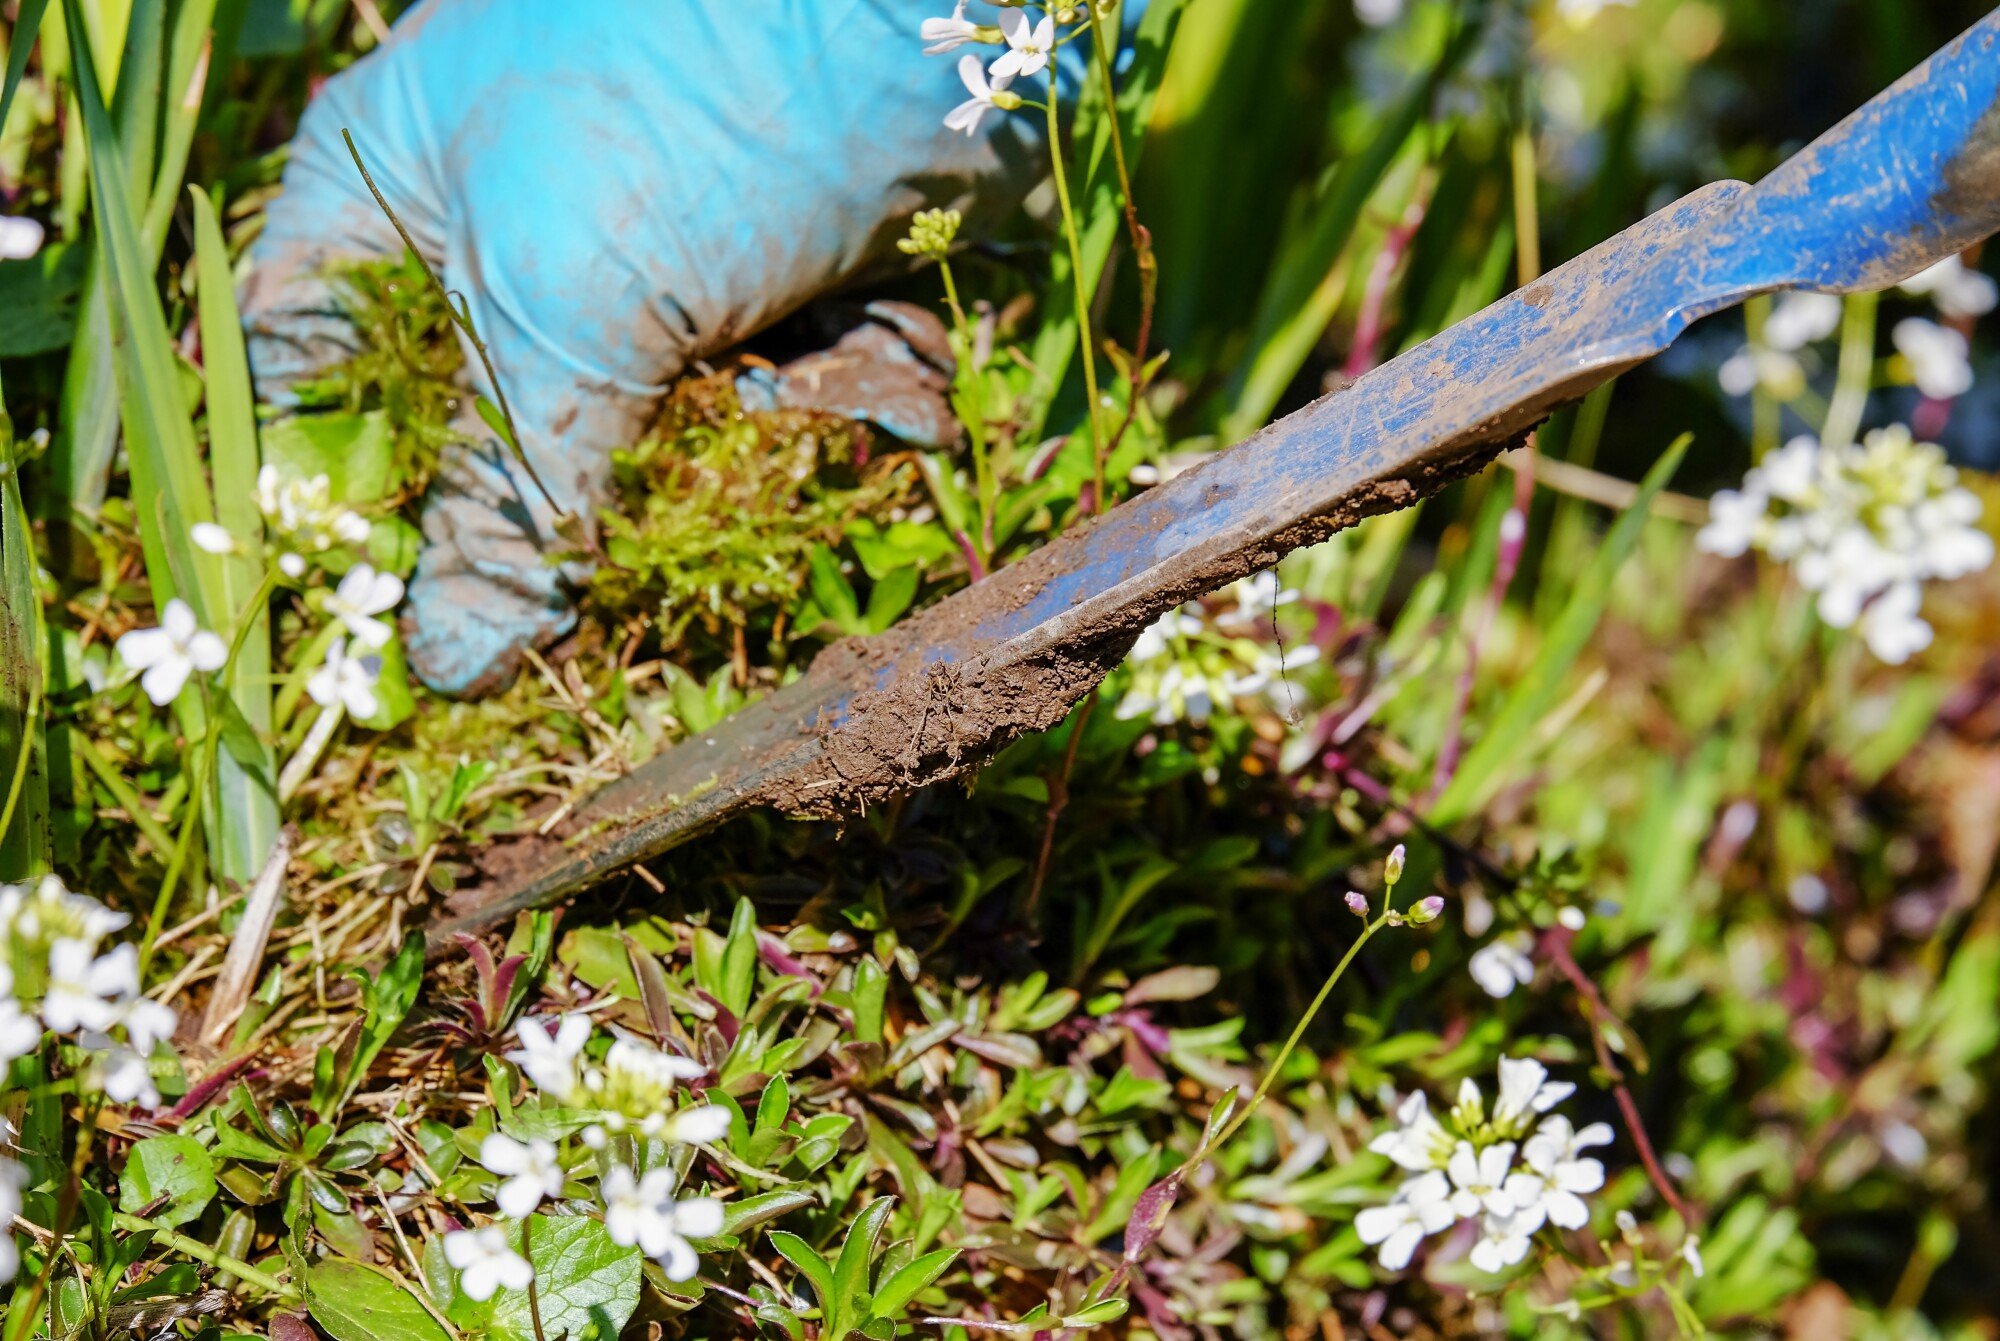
[{"x": 715, "y": 514}]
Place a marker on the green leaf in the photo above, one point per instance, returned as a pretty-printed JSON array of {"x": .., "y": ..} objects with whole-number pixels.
[
  {"x": 24, "y": 791},
  {"x": 356, "y": 1302},
  {"x": 748, "y": 1212},
  {"x": 354, "y": 451},
  {"x": 39, "y": 296},
  {"x": 1099, "y": 1313},
  {"x": 850, "y": 1273},
  {"x": 739, "y": 959},
  {"x": 1504, "y": 743},
  {"x": 586, "y": 1285},
  {"x": 177, "y": 1168},
  {"x": 27, "y": 22},
  {"x": 910, "y": 1281},
  {"x": 801, "y": 1255},
  {"x": 870, "y": 993},
  {"x": 490, "y": 414},
  {"x": 386, "y": 1000}
]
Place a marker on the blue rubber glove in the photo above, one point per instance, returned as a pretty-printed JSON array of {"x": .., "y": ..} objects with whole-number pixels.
[{"x": 618, "y": 187}]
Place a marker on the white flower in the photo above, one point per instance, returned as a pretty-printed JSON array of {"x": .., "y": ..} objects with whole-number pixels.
[
  {"x": 549, "y": 1057},
  {"x": 86, "y": 993},
  {"x": 948, "y": 34},
  {"x": 1776, "y": 372},
  {"x": 1378, "y": 13},
  {"x": 643, "y": 1211},
  {"x": 12, "y": 1178},
  {"x": 212, "y": 539},
  {"x": 1956, "y": 288},
  {"x": 304, "y": 519},
  {"x": 20, "y": 1032},
  {"x": 1422, "y": 1207},
  {"x": 1525, "y": 1090},
  {"x": 1891, "y": 626},
  {"x": 1691, "y": 1254},
  {"x": 1502, "y": 964},
  {"x": 1479, "y": 1178},
  {"x": 968, "y": 114},
  {"x": 1735, "y": 520},
  {"x": 361, "y": 595},
  {"x": 1559, "y": 1172},
  {"x": 147, "y": 1022},
  {"x": 348, "y": 681},
  {"x": 1937, "y": 355},
  {"x": 486, "y": 1262},
  {"x": 1420, "y": 1142},
  {"x": 1503, "y": 1243},
  {"x": 124, "y": 1075},
  {"x": 20, "y": 239},
  {"x": 530, "y": 1172},
  {"x": 1583, "y": 11},
  {"x": 170, "y": 653},
  {"x": 1029, "y": 45},
  {"x": 636, "y": 1088},
  {"x": 1801, "y": 318}
]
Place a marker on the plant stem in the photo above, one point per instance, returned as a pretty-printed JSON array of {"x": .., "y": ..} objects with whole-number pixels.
[
  {"x": 1082, "y": 294},
  {"x": 1857, "y": 371},
  {"x": 1277, "y": 1065},
  {"x": 972, "y": 413},
  {"x": 534, "y": 1296},
  {"x": 204, "y": 769},
  {"x": 201, "y": 1252},
  {"x": 301, "y": 765}
]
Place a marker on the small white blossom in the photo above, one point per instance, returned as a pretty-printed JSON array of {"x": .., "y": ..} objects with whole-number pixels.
[
  {"x": 1422, "y": 1207},
  {"x": 88, "y": 992},
  {"x": 20, "y": 1032},
  {"x": 124, "y": 1075},
  {"x": 644, "y": 1212},
  {"x": 1691, "y": 1254},
  {"x": 1776, "y": 372},
  {"x": 549, "y": 1057},
  {"x": 486, "y": 1262},
  {"x": 213, "y": 539},
  {"x": 948, "y": 34},
  {"x": 1801, "y": 318},
  {"x": 1503, "y": 1242},
  {"x": 1420, "y": 1142},
  {"x": 12, "y": 1179},
  {"x": 1479, "y": 1178},
  {"x": 1956, "y": 288},
  {"x": 347, "y": 681},
  {"x": 1939, "y": 357},
  {"x": 1030, "y": 43},
  {"x": 361, "y": 595},
  {"x": 1524, "y": 1091},
  {"x": 1502, "y": 964},
  {"x": 1378, "y": 13},
  {"x": 20, "y": 237},
  {"x": 169, "y": 654},
  {"x": 531, "y": 1172},
  {"x": 636, "y": 1089},
  {"x": 1581, "y": 12},
  {"x": 986, "y": 96},
  {"x": 1891, "y": 626},
  {"x": 1559, "y": 1172},
  {"x": 303, "y": 519}
]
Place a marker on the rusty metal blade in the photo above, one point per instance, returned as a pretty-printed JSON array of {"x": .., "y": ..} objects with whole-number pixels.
[{"x": 1911, "y": 178}]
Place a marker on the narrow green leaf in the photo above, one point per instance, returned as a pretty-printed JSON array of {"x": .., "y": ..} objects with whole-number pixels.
[
  {"x": 814, "y": 1267},
  {"x": 24, "y": 793},
  {"x": 27, "y": 22},
  {"x": 1482, "y": 769},
  {"x": 910, "y": 1281},
  {"x": 850, "y": 1273}
]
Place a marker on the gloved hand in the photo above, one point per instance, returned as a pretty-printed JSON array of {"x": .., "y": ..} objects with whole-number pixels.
[{"x": 617, "y": 188}]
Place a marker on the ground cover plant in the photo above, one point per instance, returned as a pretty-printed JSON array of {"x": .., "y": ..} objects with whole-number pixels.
[{"x": 1561, "y": 909}]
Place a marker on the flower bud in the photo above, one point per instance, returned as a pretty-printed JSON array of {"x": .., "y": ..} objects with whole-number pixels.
[
  {"x": 1006, "y": 101},
  {"x": 1356, "y": 904},
  {"x": 1427, "y": 910},
  {"x": 1392, "y": 869}
]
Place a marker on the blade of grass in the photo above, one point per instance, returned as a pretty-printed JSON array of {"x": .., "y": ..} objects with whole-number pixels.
[
  {"x": 1483, "y": 767},
  {"x": 24, "y": 797},
  {"x": 1296, "y": 305},
  {"x": 1097, "y": 194},
  {"x": 27, "y": 22},
  {"x": 248, "y": 769},
  {"x": 169, "y": 490}
]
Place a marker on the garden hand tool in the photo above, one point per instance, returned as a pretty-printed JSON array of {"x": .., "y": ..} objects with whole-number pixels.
[
  {"x": 617, "y": 189},
  {"x": 1911, "y": 178}
]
